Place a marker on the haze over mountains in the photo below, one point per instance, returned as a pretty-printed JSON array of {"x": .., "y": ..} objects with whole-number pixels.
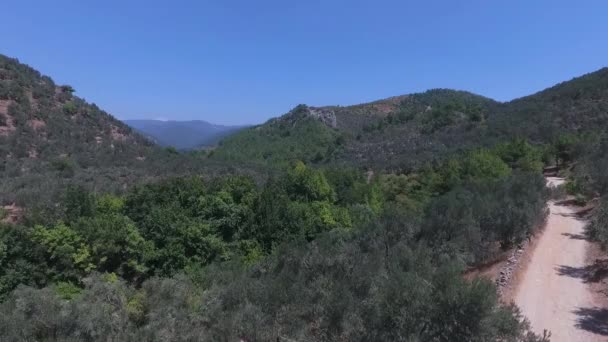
[{"x": 183, "y": 135}]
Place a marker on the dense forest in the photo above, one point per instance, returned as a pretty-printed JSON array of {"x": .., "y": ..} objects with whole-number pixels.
[
  {"x": 296, "y": 255},
  {"x": 326, "y": 224}
]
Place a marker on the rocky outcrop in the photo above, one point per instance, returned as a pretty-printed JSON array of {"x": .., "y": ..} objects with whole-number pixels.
[{"x": 327, "y": 116}]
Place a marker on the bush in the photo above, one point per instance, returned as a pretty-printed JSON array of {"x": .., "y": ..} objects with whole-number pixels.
[
  {"x": 557, "y": 192},
  {"x": 597, "y": 228},
  {"x": 572, "y": 187},
  {"x": 467, "y": 222},
  {"x": 65, "y": 166},
  {"x": 70, "y": 108},
  {"x": 483, "y": 165}
]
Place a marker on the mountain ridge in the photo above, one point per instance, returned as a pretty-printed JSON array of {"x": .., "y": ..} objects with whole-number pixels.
[
  {"x": 49, "y": 137},
  {"x": 183, "y": 135},
  {"x": 406, "y": 131}
]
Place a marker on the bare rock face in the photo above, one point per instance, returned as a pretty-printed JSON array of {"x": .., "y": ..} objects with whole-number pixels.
[{"x": 327, "y": 116}]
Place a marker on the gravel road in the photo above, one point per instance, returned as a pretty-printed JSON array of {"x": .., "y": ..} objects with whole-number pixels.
[{"x": 552, "y": 293}]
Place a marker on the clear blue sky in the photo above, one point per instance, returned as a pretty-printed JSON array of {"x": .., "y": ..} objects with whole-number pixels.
[{"x": 246, "y": 61}]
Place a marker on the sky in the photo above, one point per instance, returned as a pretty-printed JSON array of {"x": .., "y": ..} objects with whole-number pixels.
[{"x": 243, "y": 62}]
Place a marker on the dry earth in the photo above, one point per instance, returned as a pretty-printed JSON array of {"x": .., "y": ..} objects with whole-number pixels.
[{"x": 554, "y": 292}]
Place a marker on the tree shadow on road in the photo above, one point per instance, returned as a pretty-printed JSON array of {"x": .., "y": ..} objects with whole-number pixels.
[
  {"x": 575, "y": 236},
  {"x": 593, "y": 319},
  {"x": 593, "y": 273}
]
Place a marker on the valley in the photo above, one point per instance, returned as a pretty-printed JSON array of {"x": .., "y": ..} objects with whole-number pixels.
[
  {"x": 310, "y": 171},
  {"x": 335, "y": 223},
  {"x": 183, "y": 135}
]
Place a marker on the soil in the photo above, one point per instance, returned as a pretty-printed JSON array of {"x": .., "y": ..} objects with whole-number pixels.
[{"x": 555, "y": 291}]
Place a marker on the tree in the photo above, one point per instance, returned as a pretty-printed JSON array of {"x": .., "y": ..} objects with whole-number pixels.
[
  {"x": 78, "y": 203},
  {"x": 115, "y": 244},
  {"x": 306, "y": 184},
  {"x": 483, "y": 165},
  {"x": 21, "y": 259},
  {"x": 66, "y": 252}
]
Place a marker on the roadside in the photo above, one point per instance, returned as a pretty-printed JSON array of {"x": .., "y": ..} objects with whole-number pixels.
[{"x": 553, "y": 291}]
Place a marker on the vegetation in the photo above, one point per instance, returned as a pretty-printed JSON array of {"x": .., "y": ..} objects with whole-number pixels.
[
  {"x": 590, "y": 180},
  {"x": 406, "y": 132},
  {"x": 295, "y": 136},
  {"x": 50, "y": 139},
  {"x": 327, "y": 224},
  {"x": 303, "y": 250}
]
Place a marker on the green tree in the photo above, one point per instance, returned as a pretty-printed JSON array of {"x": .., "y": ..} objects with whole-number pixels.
[
  {"x": 109, "y": 204},
  {"x": 67, "y": 253},
  {"x": 483, "y": 165},
  {"x": 21, "y": 259},
  {"x": 78, "y": 203},
  {"x": 115, "y": 244},
  {"x": 307, "y": 184}
]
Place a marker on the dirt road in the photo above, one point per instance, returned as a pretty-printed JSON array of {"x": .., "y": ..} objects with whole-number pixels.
[{"x": 553, "y": 293}]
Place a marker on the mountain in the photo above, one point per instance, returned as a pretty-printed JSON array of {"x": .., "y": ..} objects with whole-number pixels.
[
  {"x": 380, "y": 134},
  {"x": 405, "y": 132},
  {"x": 50, "y": 138},
  {"x": 47, "y": 133},
  {"x": 183, "y": 135},
  {"x": 577, "y": 105},
  {"x": 311, "y": 253}
]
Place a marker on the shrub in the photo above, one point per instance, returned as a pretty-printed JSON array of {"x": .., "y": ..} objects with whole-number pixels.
[
  {"x": 70, "y": 108},
  {"x": 597, "y": 228}
]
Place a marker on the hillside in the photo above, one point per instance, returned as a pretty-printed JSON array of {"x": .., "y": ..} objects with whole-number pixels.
[
  {"x": 264, "y": 238},
  {"x": 407, "y": 131},
  {"x": 183, "y": 135},
  {"x": 47, "y": 133},
  {"x": 577, "y": 105},
  {"x": 50, "y": 139},
  {"x": 395, "y": 132}
]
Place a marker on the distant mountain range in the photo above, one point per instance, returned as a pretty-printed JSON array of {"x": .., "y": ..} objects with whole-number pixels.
[{"x": 183, "y": 135}]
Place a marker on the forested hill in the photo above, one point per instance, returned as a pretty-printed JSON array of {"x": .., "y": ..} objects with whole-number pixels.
[
  {"x": 574, "y": 106},
  {"x": 153, "y": 244},
  {"x": 408, "y": 131},
  {"x": 50, "y": 138},
  {"x": 380, "y": 134},
  {"x": 42, "y": 120}
]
